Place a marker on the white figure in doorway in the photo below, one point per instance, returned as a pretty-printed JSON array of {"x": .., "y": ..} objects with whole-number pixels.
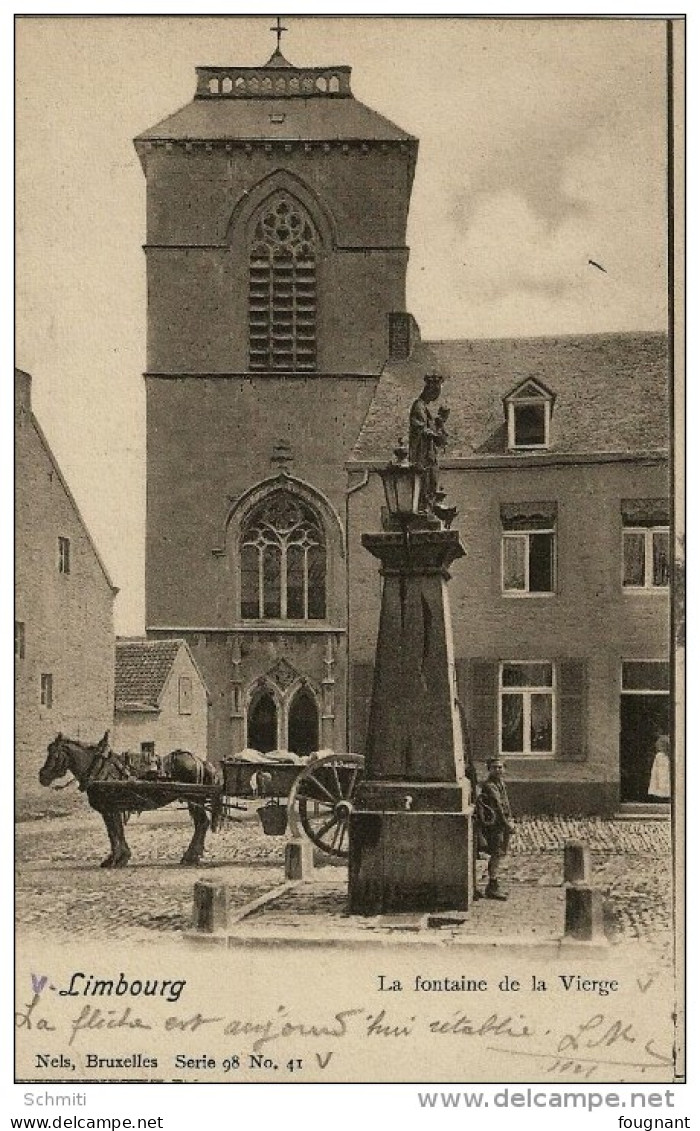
[{"x": 660, "y": 779}]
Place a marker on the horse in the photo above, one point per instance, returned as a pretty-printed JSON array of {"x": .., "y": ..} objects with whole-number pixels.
[{"x": 93, "y": 763}]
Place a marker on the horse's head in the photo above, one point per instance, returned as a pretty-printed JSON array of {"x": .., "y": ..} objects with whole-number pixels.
[
  {"x": 68, "y": 755},
  {"x": 57, "y": 758}
]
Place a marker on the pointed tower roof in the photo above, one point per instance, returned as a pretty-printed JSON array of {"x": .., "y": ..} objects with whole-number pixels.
[{"x": 277, "y": 59}]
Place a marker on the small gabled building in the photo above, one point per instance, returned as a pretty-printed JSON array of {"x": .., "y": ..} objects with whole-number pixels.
[
  {"x": 160, "y": 699},
  {"x": 64, "y": 597}
]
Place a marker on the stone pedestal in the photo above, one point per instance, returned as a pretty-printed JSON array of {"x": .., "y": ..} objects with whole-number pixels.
[
  {"x": 410, "y": 835},
  {"x": 410, "y": 862}
]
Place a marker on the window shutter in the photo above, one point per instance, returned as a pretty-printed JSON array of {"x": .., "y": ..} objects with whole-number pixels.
[
  {"x": 573, "y": 723},
  {"x": 482, "y": 708},
  {"x": 360, "y": 699}
]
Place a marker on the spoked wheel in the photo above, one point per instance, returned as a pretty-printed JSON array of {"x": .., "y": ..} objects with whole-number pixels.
[{"x": 320, "y": 801}]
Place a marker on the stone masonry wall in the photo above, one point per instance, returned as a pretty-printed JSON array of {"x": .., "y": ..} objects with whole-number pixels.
[{"x": 67, "y": 617}]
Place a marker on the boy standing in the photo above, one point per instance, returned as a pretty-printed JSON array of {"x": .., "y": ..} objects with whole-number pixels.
[{"x": 496, "y": 821}]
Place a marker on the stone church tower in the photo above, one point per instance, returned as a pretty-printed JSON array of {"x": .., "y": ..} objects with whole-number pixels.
[{"x": 276, "y": 258}]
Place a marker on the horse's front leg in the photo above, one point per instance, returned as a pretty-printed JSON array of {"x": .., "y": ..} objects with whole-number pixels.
[
  {"x": 108, "y": 818},
  {"x": 121, "y": 853},
  {"x": 195, "y": 849}
]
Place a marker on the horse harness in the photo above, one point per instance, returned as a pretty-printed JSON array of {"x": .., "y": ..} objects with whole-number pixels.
[{"x": 99, "y": 770}]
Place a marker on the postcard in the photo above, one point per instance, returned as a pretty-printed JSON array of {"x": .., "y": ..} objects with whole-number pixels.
[{"x": 349, "y": 613}]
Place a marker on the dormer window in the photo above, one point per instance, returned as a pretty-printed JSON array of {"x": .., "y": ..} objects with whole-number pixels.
[{"x": 528, "y": 413}]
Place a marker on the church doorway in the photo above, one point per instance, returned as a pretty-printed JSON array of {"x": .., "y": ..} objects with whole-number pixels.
[
  {"x": 262, "y": 723},
  {"x": 303, "y": 729}
]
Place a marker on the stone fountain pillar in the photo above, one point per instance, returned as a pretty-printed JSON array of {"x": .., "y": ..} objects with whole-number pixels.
[{"x": 411, "y": 845}]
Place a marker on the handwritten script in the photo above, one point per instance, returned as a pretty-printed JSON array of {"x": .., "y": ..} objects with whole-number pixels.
[{"x": 579, "y": 1050}]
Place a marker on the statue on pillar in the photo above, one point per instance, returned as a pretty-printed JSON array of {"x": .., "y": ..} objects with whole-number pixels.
[{"x": 427, "y": 437}]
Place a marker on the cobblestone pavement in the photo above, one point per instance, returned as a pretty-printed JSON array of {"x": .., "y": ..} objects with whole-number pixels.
[{"x": 61, "y": 891}]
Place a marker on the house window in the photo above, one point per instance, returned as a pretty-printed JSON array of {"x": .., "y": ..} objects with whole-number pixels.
[
  {"x": 185, "y": 695},
  {"x": 283, "y": 561},
  {"x": 528, "y": 410},
  {"x": 147, "y": 762},
  {"x": 64, "y": 555},
  {"x": 19, "y": 639},
  {"x": 282, "y": 288},
  {"x": 528, "y": 548},
  {"x": 530, "y": 426},
  {"x": 526, "y": 708},
  {"x": 646, "y": 557},
  {"x": 528, "y": 562},
  {"x": 47, "y": 690}
]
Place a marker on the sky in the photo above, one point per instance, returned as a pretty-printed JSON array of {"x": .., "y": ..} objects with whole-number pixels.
[{"x": 542, "y": 145}]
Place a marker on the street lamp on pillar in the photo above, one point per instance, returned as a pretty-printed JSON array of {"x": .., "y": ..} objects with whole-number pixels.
[{"x": 402, "y": 485}]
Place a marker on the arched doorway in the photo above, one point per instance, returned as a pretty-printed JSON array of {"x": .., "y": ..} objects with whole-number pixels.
[
  {"x": 303, "y": 730},
  {"x": 262, "y": 723}
]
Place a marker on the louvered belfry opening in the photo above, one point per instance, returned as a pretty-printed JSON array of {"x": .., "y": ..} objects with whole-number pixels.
[{"x": 282, "y": 311}]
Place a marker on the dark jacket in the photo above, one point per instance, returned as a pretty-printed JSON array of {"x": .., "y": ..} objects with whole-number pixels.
[{"x": 494, "y": 815}]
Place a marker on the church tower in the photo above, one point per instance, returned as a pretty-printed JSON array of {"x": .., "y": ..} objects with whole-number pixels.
[{"x": 276, "y": 260}]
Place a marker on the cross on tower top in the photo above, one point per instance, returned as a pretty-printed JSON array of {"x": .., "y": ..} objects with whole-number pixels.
[{"x": 279, "y": 29}]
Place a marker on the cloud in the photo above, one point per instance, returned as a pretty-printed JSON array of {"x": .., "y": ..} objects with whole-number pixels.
[
  {"x": 512, "y": 262},
  {"x": 553, "y": 154}
]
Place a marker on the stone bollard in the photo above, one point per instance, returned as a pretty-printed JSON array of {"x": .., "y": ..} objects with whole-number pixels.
[
  {"x": 210, "y": 907},
  {"x": 583, "y": 918},
  {"x": 577, "y": 862},
  {"x": 584, "y": 913},
  {"x": 299, "y": 860}
]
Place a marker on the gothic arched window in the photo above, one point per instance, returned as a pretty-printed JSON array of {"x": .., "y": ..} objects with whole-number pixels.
[
  {"x": 282, "y": 296},
  {"x": 283, "y": 561}
]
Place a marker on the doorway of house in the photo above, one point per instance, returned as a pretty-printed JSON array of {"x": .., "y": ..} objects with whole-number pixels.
[{"x": 644, "y": 716}]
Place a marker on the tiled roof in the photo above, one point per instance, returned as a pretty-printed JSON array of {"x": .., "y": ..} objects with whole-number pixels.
[
  {"x": 142, "y": 668},
  {"x": 611, "y": 394},
  {"x": 301, "y": 119}
]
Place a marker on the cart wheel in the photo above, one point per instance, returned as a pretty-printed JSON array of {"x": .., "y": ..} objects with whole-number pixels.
[{"x": 320, "y": 801}]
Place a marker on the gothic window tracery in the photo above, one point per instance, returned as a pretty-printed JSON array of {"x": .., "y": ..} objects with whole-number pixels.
[
  {"x": 283, "y": 561},
  {"x": 282, "y": 294}
]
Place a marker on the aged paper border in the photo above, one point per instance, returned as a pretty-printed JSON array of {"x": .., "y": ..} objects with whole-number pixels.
[{"x": 679, "y": 466}]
